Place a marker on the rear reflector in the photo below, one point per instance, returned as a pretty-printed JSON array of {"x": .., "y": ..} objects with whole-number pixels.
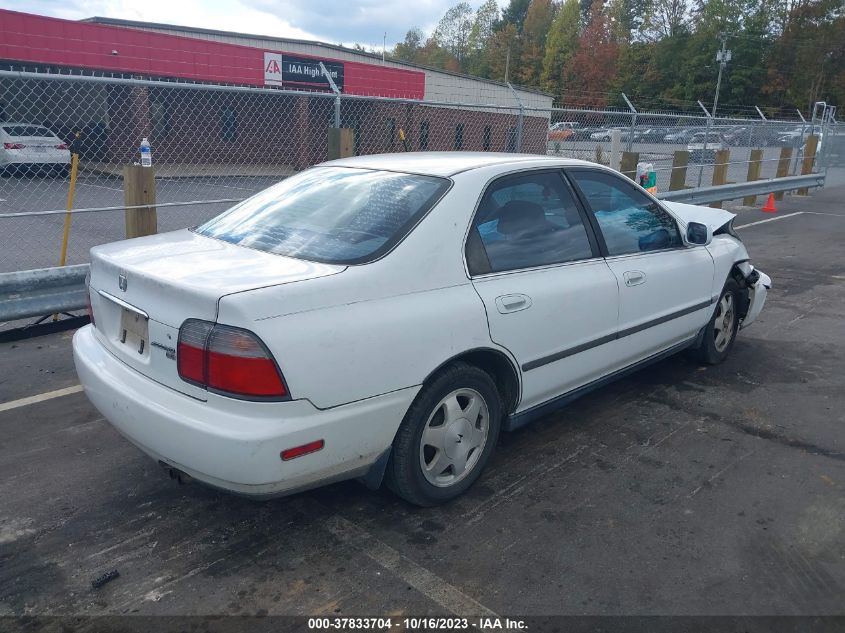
[
  {"x": 62, "y": 146},
  {"x": 228, "y": 360},
  {"x": 299, "y": 451}
]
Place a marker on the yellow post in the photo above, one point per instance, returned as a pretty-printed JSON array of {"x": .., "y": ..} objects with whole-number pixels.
[{"x": 74, "y": 167}]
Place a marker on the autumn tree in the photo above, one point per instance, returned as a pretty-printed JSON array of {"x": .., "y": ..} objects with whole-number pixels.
[
  {"x": 589, "y": 73},
  {"x": 503, "y": 53}
]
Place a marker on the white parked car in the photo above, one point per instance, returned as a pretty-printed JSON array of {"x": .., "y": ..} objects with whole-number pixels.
[
  {"x": 28, "y": 147},
  {"x": 387, "y": 316},
  {"x": 702, "y": 146}
]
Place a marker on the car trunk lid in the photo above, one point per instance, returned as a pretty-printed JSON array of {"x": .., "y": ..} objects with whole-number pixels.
[{"x": 142, "y": 290}]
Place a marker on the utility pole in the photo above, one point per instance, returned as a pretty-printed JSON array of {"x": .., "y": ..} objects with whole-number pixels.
[
  {"x": 383, "y": 47},
  {"x": 723, "y": 56},
  {"x": 507, "y": 63}
]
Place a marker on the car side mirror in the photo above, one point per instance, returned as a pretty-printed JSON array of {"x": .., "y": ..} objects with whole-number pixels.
[{"x": 699, "y": 234}]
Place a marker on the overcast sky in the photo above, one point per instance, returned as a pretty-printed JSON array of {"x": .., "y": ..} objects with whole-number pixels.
[{"x": 333, "y": 21}]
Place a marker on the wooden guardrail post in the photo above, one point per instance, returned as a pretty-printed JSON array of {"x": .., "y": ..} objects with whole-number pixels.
[
  {"x": 139, "y": 188},
  {"x": 341, "y": 142},
  {"x": 628, "y": 165},
  {"x": 678, "y": 179},
  {"x": 809, "y": 158},
  {"x": 754, "y": 165},
  {"x": 783, "y": 167},
  {"x": 720, "y": 171}
]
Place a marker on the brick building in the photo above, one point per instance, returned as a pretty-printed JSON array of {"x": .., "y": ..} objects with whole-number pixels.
[{"x": 205, "y": 96}]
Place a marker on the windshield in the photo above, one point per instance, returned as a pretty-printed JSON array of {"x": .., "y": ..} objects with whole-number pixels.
[
  {"x": 335, "y": 215},
  {"x": 27, "y": 130}
]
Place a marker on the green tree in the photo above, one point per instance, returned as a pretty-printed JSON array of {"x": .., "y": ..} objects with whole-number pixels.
[
  {"x": 453, "y": 31},
  {"x": 408, "y": 49},
  {"x": 807, "y": 63},
  {"x": 514, "y": 14},
  {"x": 538, "y": 20},
  {"x": 486, "y": 18},
  {"x": 561, "y": 44}
]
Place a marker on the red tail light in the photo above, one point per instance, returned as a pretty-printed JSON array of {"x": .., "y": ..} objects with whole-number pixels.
[
  {"x": 14, "y": 146},
  {"x": 62, "y": 146},
  {"x": 228, "y": 360}
]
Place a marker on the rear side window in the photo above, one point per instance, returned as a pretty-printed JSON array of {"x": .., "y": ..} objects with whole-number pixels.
[
  {"x": 525, "y": 221},
  {"x": 333, "y": 215},
  {"x": 27, "y": 130}
]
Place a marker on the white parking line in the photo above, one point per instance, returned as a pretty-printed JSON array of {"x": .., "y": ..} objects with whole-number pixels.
[
  {"x": 426, "y": 582},
  {"x": 780, "y": 217},
  {"x": 41, "y": 397},
  {"x": 88, "y": 184}
]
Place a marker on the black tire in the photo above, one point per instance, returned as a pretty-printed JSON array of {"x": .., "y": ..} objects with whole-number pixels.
[
  {"x": 404, "y": 470},
  {"x": 710, "y": 351}
]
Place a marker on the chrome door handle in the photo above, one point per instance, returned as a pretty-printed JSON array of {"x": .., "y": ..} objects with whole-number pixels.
[
  {"x": 512, "y": 303},
  {"x": 634, "y": 277}
]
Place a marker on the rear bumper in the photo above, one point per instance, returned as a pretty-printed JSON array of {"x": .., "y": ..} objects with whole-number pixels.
[
  {"x": 34, "y": 160},
  {"x": 235, "y": 445}
]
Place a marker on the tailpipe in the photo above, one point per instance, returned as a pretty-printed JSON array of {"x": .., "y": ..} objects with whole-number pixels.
[{"x": 174, "y": 473}]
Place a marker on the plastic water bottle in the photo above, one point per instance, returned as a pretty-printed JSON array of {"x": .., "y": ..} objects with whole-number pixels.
[{"x": 146, "y": 153}]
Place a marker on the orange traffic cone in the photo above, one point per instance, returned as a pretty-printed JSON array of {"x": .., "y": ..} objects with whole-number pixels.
[{"x": 769, "y": 207}]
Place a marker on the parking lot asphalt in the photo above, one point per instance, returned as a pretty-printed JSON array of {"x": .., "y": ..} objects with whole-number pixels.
[{"x": 679, "y": 490}]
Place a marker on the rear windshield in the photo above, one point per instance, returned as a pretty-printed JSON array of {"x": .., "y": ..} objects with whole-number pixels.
[
  {"x": 334, "y": 215},
  {"x": 27, "y": 130}
]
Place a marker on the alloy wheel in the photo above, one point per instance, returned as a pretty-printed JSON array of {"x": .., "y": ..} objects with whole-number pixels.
[
  {"x": 723, "y": 324},
  {"x": 454, "y": 437}
]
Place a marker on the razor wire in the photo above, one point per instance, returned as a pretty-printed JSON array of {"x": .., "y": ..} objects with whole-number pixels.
[{"x": 215, "y": 145}]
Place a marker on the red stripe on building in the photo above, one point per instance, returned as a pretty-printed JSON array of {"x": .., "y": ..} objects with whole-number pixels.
[{"x": 43, "y": 40}]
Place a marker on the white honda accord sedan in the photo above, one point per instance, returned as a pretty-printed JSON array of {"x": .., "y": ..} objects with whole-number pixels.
[{"x": 385, "y": 317}]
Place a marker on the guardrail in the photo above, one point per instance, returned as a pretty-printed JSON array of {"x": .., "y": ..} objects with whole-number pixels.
[
  {"x": 34, "y": 293},
  {"x": 44, "y": 291},
  {"x": 732, "y": 191}
]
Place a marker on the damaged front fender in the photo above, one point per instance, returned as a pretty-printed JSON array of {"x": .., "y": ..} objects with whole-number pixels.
[{"x": 758, "y": 289}]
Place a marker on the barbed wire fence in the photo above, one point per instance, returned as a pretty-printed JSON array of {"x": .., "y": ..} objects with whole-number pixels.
[{"x": 214, "y": 145}]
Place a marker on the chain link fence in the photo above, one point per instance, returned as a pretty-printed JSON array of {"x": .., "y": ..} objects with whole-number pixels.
[{"x": 215, "y": 145}]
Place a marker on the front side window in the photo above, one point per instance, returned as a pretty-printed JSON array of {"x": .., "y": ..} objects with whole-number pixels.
[
  {"x": 334, "y": 215},
  {"x": 630, "y": 221},
  {"x": 525, "y": 221}
]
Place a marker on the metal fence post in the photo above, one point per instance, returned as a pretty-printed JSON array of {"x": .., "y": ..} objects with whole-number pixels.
[
  {"x": 707, "y": 126},
  {"x": 615, "y": 150},
  {"x": 519, "y": 119},
  {"x": 630, "y": 143},
  {"x": 336, "y": 93}
]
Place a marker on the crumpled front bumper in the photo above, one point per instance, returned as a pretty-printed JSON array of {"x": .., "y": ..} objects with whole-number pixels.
[{"x": 759, "y": 284}]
